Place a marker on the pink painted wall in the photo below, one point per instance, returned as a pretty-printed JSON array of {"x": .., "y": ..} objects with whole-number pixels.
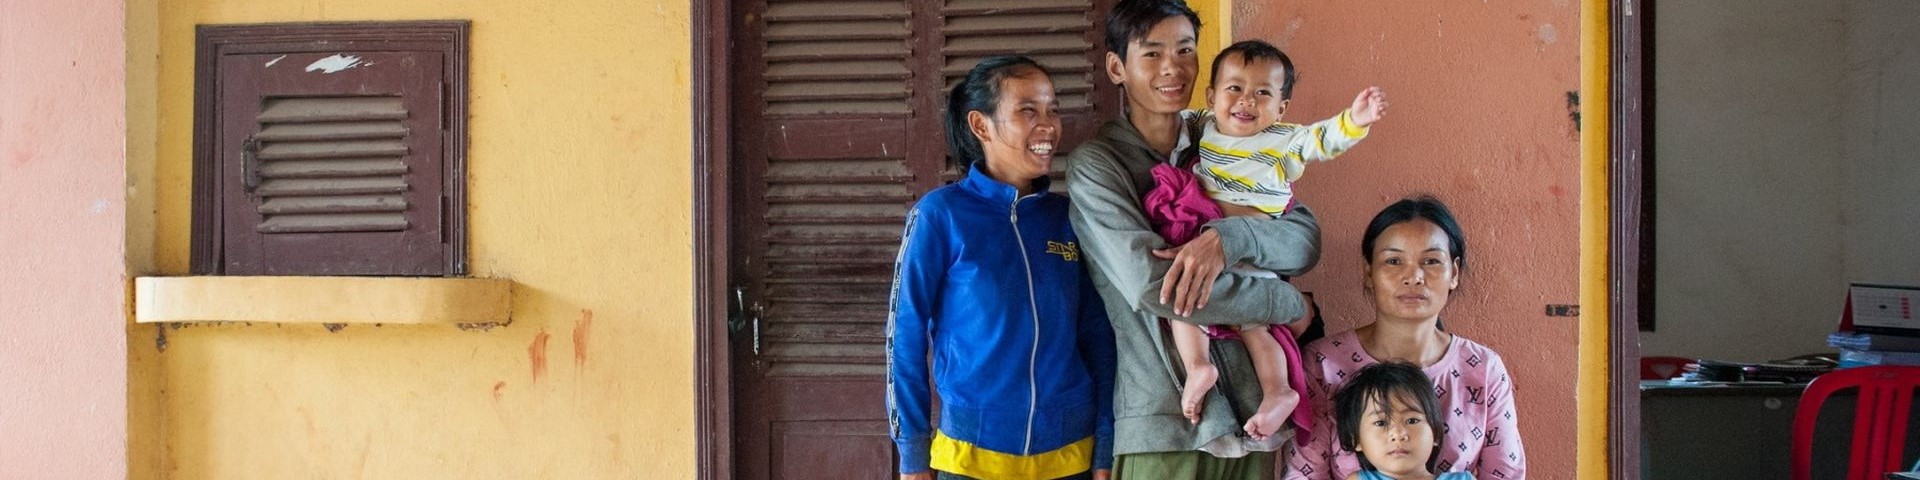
[
  {"x": 1479, "y": 118},
  {"x": 63, "y": 355}
]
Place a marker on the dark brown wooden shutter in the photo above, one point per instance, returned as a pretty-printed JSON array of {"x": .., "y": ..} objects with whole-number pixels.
[
  {"x": 840, "y": 132},
  {"x": 332, "y": 163}
]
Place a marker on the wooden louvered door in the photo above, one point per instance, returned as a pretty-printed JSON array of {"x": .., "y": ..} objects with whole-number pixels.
[
  {"x": 837, "y": 130},
  {"x": 332, "y": 163}
]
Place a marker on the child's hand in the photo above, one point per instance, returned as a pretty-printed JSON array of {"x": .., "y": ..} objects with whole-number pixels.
[{"x": 1369, "y": 106}]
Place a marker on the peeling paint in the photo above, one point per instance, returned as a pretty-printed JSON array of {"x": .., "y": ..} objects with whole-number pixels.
[
  {"x": 581, "y": 330},
  {"x": 477, "y": 327},
  {"x": 276, "y": 60},
  {"x": 334, "y": 327},
  {"x": 334, "y": 63},
  {"x": 537, "y": 354}
]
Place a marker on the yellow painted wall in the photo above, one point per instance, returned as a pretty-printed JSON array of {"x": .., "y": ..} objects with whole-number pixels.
[
  {"x": 1216, "y": 33},
  {"x": 1594, "y": 147},
  {"x": 580, "y": 194}
]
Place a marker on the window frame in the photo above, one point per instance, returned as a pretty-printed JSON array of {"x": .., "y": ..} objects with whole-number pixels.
[{"x": 448, "y": 37}]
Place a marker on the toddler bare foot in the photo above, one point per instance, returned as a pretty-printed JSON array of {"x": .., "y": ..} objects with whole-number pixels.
[
  {"x": 1275, "y": 408},
  {"x": 1193, "y": 394}
]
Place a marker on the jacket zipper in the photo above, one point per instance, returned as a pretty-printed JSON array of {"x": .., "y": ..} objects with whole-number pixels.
[{"x": 1033, "y": 301}]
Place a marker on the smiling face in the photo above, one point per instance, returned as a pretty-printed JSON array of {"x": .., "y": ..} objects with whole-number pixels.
[
  {"x": 1246, "y": 96},
  {"x": 1159, "y": 69},
  {"x": 1396, "y": 442},
  {"x": 1413, "y": 271},
  {"x": 1018, "y": 140}
]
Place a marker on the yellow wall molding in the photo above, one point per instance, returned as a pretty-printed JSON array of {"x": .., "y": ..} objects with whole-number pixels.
[
  {"x": 322, "y": 300},
  {"x": 1595, "y": 83}
]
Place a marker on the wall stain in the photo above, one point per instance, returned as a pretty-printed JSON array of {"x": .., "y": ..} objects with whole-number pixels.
[
  {"x": 334, "y": 327},
  {"x": 160, "y": 339},
  {"x": 582, "y": 328},
  {"x": 537, "y": 353},
  {"x": 499, "y": 388},
  {"x": 1573, "y": 109}
]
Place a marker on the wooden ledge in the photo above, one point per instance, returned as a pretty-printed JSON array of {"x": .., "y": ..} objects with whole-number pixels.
[{"x": 401, "y": 300}]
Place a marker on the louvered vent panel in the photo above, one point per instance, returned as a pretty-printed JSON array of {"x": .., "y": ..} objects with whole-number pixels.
[
  {"x": 833, "y": 228},
  {"x": 1053, "y": 32},
  {"x": 847, "y": 57},
  {"x": 332, "y": 164}
]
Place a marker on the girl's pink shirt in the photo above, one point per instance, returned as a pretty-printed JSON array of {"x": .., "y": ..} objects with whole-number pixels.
[{"x": 1476, "y": 397}]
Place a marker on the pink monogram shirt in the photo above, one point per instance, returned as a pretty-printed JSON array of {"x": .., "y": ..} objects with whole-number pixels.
[{"x": 1476, "y": 397}]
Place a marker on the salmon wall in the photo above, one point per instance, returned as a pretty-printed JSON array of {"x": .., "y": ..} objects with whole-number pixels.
[
  {"x": 63, "y": 354},
  {"x": 1483, "y": 116}
]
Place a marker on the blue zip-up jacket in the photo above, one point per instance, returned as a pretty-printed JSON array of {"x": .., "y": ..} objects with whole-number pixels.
[{"x": 991, "y": 291}]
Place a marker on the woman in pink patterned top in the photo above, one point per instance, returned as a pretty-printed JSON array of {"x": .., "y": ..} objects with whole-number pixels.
[{"x": 1415, "y": 253}]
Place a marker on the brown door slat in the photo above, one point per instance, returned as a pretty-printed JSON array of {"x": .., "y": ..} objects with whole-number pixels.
[
  {"x": 341, "y": 149},
  {"x": 352, "y": 167},
  {"x": 839, "y": 71},
  {"x": 302, "y": 187},
  {"x": 822, "y": 333},
  {"x": 1057, "y": 64},
  {"x": 873, "y": 352},
  {"x": 364, "y": 222},
  {"x": 827, "y": 11},
  {"x": 836, "y": 372},
  {"x": 328, "y": 131},
  {"x": 332, "y": 109},
  {"x": 1017, "y": 45},
  {"x": 1025, "y": 25},
  {"x": 862, "y": 30},
  {"x": 1000, "y": 7},
  {"x": 357, "y": 204},
  {"x": 889, "y": 49},
  {"x": 800, "y": 253},
  {"x": 818, "y": 313},
  {"x": 815, "y": 91}
]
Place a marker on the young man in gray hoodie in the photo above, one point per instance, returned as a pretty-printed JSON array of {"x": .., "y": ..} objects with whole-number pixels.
[{"x": 1141, "y": 279}]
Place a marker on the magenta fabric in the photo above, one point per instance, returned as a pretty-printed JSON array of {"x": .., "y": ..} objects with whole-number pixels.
[{"x": 1178, "y": 208}]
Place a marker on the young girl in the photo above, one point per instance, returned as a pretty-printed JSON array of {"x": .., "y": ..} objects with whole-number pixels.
[
  {"x": 992, "y": 307},
  {"x": 1246, "y": 166},
  {"x": 1389, "y": 414}
]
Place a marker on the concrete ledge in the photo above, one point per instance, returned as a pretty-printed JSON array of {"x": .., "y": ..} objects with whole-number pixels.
[{"x": 322, "y": 300}]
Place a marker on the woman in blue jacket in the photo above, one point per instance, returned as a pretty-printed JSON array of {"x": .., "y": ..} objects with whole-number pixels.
[{"x": 992, "y": 305}]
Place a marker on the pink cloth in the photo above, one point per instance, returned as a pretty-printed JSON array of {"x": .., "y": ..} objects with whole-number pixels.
[
  {"x": 1476, "y": 397},
  {"x": 1178, "y": 208}
]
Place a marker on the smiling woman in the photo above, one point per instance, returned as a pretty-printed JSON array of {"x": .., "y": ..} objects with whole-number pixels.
[
  {"x": 1415, "y": 254},
  {"x": 1025, "y": 387}
]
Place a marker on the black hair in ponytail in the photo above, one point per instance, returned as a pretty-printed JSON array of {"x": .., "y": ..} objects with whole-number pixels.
[{"x": 979, "y": 91}]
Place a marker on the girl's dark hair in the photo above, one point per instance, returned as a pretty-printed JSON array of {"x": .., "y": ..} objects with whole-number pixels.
[
  {"x": 1251, "y": 50},
  {"x": 1131, "y": 20},
  {"x": 979, "y": 91},
  {"x": 1379, "y": 385},
  {"x": 1421, "y": 208}
]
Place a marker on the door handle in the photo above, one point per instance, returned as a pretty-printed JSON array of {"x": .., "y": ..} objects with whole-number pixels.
[
  {"x": 742, "y": 316},
  {"x": 250, "y": 164}
]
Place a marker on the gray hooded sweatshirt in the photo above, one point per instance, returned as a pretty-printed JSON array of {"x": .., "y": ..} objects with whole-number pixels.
[{"x": 1106, "y": 178}]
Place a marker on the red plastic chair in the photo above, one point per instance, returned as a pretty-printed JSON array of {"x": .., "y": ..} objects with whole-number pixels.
[
  {"x": 1879, "y": 423},
  {"x": 1662, "y": 368}
]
